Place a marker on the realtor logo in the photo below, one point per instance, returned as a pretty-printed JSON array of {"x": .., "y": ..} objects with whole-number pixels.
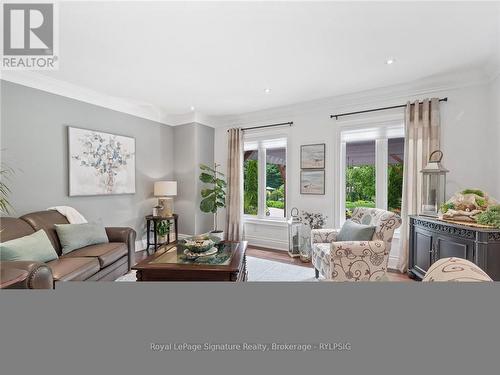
[{"x": 29, "y": 32}]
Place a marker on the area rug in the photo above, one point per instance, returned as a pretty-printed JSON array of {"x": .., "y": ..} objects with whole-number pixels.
[{"x": 263, "y": 270}]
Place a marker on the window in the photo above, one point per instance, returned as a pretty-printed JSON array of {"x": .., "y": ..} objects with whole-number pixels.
[
  {"x": 264, "y": 178},
  {"x": 373, "y": 167},
  {"x": 360, "y": 175}
]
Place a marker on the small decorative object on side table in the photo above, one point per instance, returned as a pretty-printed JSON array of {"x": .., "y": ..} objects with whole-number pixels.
[{"x": 152, "y": 224}]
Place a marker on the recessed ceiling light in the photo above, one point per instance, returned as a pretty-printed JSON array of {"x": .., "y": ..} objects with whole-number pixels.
[
  {"x": 191, "y": 108},
  {"x": 390, "y": 61},
  {"x": 267, "y": 91}
]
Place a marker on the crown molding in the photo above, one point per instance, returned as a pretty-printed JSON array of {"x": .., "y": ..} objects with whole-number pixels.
[
  {"x": 129, "y": 106},
  {"x": 390, "y": 95},
  {"x": 384, "y": 96}
]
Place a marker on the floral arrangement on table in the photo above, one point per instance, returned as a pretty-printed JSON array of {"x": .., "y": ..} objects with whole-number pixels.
[
  {"x": 313, "y": 220},
  {"x": 472, "y": 206}
]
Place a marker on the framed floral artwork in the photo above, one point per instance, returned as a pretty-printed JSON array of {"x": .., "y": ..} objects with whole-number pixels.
[{"x": 100, "y": 163}]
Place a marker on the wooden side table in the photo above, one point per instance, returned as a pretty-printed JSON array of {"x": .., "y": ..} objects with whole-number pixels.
[{"x": 151, "y": 224}]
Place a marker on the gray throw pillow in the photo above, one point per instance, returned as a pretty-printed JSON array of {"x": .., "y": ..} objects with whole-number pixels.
[
  {"x": 36, "y": 246},
  {"x": 76, "y": 236},
  {"x": 352, "y": 231}
]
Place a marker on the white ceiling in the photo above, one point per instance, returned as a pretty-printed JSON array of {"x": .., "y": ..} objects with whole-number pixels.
[{"x": 219, "y": 57}]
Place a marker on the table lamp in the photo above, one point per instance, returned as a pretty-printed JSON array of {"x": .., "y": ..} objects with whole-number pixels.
[{"x": 164, "y": 190}]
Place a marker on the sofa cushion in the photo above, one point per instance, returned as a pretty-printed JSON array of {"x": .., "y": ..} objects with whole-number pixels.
[
  {"x": 35, "y": 246},
  {"x": 76, "y": 269},
  {"x": 12, "y": 228},
  {"x": 76, "y": 236},
  {"x": 106, "y": 253},
  {"x": 45, "y": 220},
  {"x": 352, "y": 231}
]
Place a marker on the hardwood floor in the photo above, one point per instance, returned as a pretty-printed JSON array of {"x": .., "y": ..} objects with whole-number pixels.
[{"x": 283, "y": 257}]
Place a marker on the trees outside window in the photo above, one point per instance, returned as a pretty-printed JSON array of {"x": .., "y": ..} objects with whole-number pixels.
[{"x": 264, "y": 178}]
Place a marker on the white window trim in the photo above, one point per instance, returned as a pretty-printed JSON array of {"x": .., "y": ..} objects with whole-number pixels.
[
  {"x": 261, "y": 217},
  {"x": 385, "y": 124}
]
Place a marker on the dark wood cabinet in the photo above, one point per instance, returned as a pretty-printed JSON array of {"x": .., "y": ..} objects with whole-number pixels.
[{"x": 432, "y": 239}]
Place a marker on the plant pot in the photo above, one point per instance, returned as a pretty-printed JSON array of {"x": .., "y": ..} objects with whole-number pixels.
[{"x": 218, "y": 233}]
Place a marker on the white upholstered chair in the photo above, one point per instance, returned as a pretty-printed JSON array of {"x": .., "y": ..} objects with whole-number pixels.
[
  {"x": 355, "y": 260},
  {"x": 455, "y": 269}
]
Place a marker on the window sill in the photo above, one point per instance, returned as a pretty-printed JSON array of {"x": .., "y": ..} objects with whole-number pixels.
[{"x": 268, "y": 222}]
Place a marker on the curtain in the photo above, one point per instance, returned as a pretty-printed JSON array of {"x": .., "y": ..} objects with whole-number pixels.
[
  {"x": 234, "y": 185},
  {"x": 422, "y": 137}
]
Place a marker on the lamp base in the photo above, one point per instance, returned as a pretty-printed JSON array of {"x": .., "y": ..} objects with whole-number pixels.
[{"x": 167, "y": 207}]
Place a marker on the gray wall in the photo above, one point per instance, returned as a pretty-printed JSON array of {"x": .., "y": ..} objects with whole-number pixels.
[
  {"x": 193, "y": 144},
  {"x": 34, "y": 143}
]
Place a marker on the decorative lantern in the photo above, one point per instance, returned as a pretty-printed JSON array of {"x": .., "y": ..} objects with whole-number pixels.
[
  {"x": 294, "y": 226},
  {"x": 433, "y": 184}
]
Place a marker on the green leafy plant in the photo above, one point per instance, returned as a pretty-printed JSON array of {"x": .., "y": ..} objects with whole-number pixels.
[
  {"x": 447, "y": 206},
  {"x": 473, "y": 191},
  {"x": 276, "y": 204},
  {"x": 163, "y": 228},
  {"x": 250, "y": 187},
  {"x": 5, "y": 173},
  {"x": 214, "y": 197},
  {"x": 490, "y": 217}
]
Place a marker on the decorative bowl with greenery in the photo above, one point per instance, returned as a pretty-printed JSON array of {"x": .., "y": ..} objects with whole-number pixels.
[{"x": 199, "y": 244}]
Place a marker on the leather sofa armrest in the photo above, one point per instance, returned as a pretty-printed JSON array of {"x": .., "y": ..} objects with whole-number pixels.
[
  {"x": 125, "y": 235},
  {"x": 39, "y": 274}
]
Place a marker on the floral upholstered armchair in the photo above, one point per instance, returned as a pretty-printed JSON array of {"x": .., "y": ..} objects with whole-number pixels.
[{"x": 355, "y": 260}]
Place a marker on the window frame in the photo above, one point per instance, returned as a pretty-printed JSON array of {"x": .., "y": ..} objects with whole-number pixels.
[
  {"x": 383, "y": 127},
  {"x": 261, "y": 177}
]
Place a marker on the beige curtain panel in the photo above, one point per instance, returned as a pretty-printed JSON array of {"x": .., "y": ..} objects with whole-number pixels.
[
  {"x": 234, "y": 206},
  {"x": 422, "y": 137}
]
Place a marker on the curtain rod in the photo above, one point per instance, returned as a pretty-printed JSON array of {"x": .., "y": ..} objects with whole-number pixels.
[
  {"x": 290, "y": 123},
  {"x": 376, "y": 109}
]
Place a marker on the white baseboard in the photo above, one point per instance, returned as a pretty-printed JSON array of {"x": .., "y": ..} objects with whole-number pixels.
[
  {"x": 267, "y": 242},
  {"x": 140, "y": 245}
]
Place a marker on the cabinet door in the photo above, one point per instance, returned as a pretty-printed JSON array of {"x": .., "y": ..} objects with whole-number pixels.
[
  {"x": 423, "y": 244},
  {"x": 454, "y": 247}
]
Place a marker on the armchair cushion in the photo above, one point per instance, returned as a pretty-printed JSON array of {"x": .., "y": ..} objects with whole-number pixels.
[{"x": 352, "y": 231}]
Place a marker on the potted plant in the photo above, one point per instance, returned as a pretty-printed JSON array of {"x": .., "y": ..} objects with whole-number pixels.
[
  {"x": 213, "y": 197},
  {"x": 162, "y": 230},
  {"x": 5, "y": 173}
]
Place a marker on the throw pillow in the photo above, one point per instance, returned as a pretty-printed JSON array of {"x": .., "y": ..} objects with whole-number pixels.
[
  {"x": 76, "y": 236},
  {"x": 36, "y": 246},
  {"x": 352, "y": 231}
]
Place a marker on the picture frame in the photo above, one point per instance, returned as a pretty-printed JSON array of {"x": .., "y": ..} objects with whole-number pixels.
[
  {"x": 313, "y": 156},
  {"x": 100, "y": 163},
  {"x": 312, "y": 182}
]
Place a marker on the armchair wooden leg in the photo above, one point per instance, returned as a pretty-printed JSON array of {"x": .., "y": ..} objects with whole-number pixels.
[{"x": 316, "y": 273}]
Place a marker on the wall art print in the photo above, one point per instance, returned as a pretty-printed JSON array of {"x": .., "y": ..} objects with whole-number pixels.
[
  {"x": 312, "y": 156},
  {"x": 100, "y": 163},
  {"x": 312, "y": 182}
]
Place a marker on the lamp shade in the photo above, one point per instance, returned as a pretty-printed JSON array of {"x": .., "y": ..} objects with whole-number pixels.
[{"x": 165, "y": 188}]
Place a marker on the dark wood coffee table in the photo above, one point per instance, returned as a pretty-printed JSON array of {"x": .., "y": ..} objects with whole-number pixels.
[{"x": 170, "y": 264}]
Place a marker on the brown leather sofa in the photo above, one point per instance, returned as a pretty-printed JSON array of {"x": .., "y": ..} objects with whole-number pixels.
[{"x": 105, "y": 261}]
